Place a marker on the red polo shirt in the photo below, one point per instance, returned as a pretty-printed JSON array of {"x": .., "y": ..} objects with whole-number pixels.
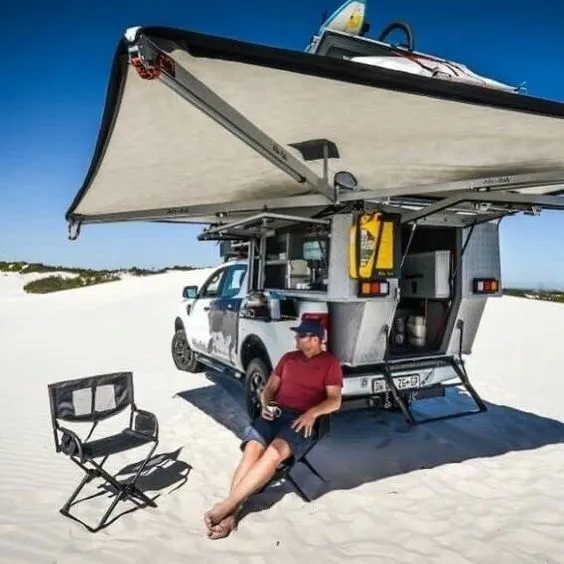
[{"x": 303, "y": 380}]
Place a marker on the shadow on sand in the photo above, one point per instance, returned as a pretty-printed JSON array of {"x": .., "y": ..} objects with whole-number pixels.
[
  {"x": 365, "y": 446},
  {"x": 164, "y": 470}
]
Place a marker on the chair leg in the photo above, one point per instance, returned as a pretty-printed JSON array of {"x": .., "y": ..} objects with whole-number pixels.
[
  {"x": 116, "y": 500},
  {"x": 123, "y": 491},
  {"x": 127, "y": 491},
  {"x": 145, "y": 462},
  {"x": 131, "y": 490},
  {"x": 87, "y": 478}
]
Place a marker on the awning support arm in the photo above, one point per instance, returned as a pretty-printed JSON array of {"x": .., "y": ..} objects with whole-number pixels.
[
  {"x": 151, "y": 62},
  {"x": 551, "y": 202},
  {"x": 413, "y": 228}
]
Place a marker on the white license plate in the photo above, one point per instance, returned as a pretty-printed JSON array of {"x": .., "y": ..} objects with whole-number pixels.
[{"x": 407, "y": 382}]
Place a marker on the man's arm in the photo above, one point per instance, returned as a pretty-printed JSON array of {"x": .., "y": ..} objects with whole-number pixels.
[
  {"x": 269, "y": 392},
  {"x": 333, "y": 386},
  {"x": 330, "y": 404},
  {"x": 306, "y": 421}
]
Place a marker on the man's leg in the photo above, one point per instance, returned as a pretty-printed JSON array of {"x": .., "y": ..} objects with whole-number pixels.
[
  {"x": 252, "y": 452},
  {"x": 259, "y": 474},
  {"x": 254, "y": 442}
]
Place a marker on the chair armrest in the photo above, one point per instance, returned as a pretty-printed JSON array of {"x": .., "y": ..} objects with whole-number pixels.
[
  {"x": 144, "y": 422},
  {"x": 70, "y": 444}
]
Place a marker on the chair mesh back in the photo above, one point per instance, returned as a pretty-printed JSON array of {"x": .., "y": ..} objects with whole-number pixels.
[{"x": 93, "y": 398}]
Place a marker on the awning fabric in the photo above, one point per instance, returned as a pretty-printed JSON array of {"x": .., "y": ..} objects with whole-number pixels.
[{"x": 158, "y": 156}]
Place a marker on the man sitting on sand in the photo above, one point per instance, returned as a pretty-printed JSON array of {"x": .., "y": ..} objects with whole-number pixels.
[{"x": 305, "y": 384}]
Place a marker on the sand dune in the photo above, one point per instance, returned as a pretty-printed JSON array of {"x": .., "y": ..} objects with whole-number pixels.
[
  {"x": 485, "y": 489},
  {"x": 12, "y": 284}
]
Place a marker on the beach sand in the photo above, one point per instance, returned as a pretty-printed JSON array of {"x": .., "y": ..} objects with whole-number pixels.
[{"x": 482, "y": 489}]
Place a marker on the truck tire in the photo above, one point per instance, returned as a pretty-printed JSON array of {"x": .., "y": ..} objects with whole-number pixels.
[
  {"x": 256, "y": 377},
  {"x": 182, "y": 354}
]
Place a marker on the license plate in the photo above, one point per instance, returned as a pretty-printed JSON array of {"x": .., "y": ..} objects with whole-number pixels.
[{"x": 407, "y": 382}]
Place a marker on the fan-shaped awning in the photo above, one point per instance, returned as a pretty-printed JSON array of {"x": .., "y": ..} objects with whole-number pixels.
[{"x": 197, "y": 125}]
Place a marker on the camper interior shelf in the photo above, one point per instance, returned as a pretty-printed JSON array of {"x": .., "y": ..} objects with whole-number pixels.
[{"x": 426, "y": 275}]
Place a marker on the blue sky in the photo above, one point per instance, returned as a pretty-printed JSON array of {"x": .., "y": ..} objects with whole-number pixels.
[{"x": 56, "y": 63}]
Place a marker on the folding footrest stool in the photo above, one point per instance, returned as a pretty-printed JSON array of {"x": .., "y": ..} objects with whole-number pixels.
[
  {"x": 91, "y": 400},
  {"x": 321, "y": 428}
]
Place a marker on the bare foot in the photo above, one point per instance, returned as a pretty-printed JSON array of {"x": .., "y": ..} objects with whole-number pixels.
[
  {"x": 216, "y": 514},
  {"x": 223, "y": 528},
  {"x": 207, "y": 521}
]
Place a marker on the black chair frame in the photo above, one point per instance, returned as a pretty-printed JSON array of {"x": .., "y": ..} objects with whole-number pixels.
[{"x": 143, "y": 429}]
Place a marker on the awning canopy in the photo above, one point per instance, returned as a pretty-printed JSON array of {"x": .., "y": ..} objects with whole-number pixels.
[{"x": 196, "y": 126}]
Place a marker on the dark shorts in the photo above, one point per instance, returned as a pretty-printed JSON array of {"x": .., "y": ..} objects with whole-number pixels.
[{"x": 265, "y": 432}]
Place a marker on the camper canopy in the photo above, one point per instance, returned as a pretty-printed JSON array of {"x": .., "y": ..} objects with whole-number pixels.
[{"x": 196, "y": 128}]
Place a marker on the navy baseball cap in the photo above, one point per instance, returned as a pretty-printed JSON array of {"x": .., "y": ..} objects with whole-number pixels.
[{"x": 310, "y": 327}]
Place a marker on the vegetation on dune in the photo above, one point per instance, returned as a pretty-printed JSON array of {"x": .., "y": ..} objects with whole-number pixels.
[
  {"x": 80, "y": 277},
  {"x": 544, "y": 295},
  {"x": 58, "y": 283},
  {"x": 35, "y": 267},
  {"x": 135, "y": 271}
]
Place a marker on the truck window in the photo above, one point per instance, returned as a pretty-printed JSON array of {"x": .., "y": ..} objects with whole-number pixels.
[
  {"x": 211, "y": 288},
  {"x": 233, "y": 280}
]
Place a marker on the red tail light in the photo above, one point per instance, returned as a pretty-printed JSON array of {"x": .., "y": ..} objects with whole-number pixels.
[
  {"x": 485, "y": 286},
  {"x": 374, "y": 288}
]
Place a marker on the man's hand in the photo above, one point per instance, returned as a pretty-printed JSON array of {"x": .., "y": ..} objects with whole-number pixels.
[
  {"x": 266, "y": 414},
  {"x": 305, "y": 421}
]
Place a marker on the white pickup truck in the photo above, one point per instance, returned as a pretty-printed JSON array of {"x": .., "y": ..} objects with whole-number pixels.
[
  {"x": 223, "y": 326},
  {"x": 399, "y": 339}
]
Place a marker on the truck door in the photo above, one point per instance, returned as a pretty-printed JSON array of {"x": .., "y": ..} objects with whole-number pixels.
[
  {"x": 224, "y": 315},
  {"x": 198, "y": 326}
]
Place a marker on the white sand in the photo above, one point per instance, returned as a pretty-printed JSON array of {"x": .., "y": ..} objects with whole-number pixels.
[{"x": 484, "y": 489}]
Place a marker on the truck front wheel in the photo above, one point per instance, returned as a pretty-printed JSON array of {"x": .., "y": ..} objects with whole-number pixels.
[
  {"x": 255, "y": 381},
  {"x": 182, "y": 354}
]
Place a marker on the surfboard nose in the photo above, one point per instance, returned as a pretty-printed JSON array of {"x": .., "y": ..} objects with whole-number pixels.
[{"x": 348, "y": 18}]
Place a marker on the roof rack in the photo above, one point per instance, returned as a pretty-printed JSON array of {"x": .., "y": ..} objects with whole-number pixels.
[{"x": 255, "y": 226}]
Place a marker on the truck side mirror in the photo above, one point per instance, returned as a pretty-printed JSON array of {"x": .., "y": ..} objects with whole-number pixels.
[{"x": 190, "y": 292}]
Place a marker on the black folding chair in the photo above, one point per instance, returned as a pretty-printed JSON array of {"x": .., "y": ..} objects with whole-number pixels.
[
  {"x": 91, "y": 400},
  {"x": 321, "y": 428}
]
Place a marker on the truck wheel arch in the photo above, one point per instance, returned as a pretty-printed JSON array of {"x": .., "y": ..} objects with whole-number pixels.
[
  {"x": 253, "y": 347},
  {"x": 254, "y": 356},
  {"x": 178, "y": 325}
]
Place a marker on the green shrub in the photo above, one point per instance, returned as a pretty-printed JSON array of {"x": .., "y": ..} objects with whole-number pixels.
[
  {"x": 22, "y": 267},
  {"x": 58, "y": 283},
  {"x": 136, "y": 271}
]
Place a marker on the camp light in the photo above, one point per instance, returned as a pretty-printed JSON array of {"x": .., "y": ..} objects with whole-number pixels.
[
  {"x": 345, "y": 180},
  {"x": 485, "y": 285},
  {"x": 373, "y": 288}
]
